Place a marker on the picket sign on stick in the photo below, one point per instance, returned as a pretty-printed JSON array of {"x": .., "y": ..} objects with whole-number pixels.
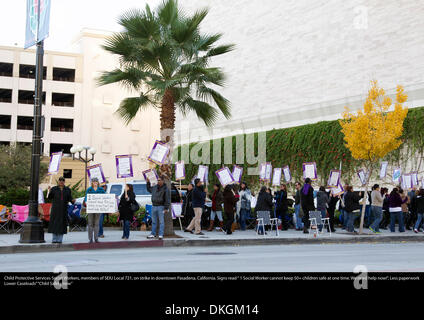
[{"x": 54, "y": 165}]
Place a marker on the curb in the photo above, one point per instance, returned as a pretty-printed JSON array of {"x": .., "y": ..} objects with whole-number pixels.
[{"x": 201, "y": 243}]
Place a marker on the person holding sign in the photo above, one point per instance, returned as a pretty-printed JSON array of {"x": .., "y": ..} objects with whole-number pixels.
[
  {"x": 198, "y": 203},
  {"x": 161, "y": 201},
  {"x": 60, "y": 196},
  {"x": 282, "y": 206},
  {"x": 93, "y": 219},
  {"x": 126, "y": 213},
  {"x": 307, "y": 203},
  {"x": 230, "y": 201},
  {"x": 217, "y": 201},
  {"x": 245, "y": 205}
]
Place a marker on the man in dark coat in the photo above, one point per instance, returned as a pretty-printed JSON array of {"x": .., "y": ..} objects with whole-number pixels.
[
  {"x": 307, "y": 203},
  {"x": 281, "y": 206},
  {"x": 60, "y": 196}
]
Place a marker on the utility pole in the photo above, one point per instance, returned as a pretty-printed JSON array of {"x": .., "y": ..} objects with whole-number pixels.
[{"x": 33, "y": 231}]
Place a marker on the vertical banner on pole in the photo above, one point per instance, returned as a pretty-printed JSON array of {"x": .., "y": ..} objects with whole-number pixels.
[
  {"x": 37, "y": 22},
  {"x": 383, "y": 169},
  {"x": 276, "y": 177},
  {"x": 287, "y": 174}
]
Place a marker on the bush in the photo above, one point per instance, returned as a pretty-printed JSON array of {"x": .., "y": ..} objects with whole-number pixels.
[{"x": 14, "y": 196}]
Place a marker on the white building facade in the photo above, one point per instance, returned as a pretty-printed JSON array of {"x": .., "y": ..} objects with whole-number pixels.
[
  {"x": 77, "y": 111},
  {"x": 303, "y": 61}
]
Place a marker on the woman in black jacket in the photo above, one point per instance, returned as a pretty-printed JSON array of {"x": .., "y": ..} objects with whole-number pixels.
[
  {"x": 188, "y": 211},
  {"x": 264, "y": 203},
  {"x": 230, "y": 200},
  {"x": 125, "y": 213},
  {"x": 307, "y": 203},
  {"x": 352, "y": 207}
]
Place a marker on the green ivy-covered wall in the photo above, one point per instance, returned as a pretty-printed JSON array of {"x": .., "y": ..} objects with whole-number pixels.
[{"x": 321, "y": 142}]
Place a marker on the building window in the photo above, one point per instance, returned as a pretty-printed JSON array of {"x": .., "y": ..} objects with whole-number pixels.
[
  {"x": 62, "y": 100},
  {"x": 5, "y": 121},
  {"x": 67, "y": 173},
  {"x": 56, "y": 147},
  {"x": 28, "y": 71},
  {"x": 27, "y": 97},
  {"x": 62, "y": 125},
  {"x": 6, "y": 95},
  {"x": 6, "y": 69},
  {"x": 25, "y": 123},
  {"x": 62, "y": 74}
]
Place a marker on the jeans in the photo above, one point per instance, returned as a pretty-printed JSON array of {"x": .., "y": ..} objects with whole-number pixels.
[
  {"x": 216, "y": 213},
  {"x": 102, "y": 217},
  {"x": 57, "y": 238},
  {"x": 93, "y": 226},
  {"x": 399, "y": 217},
  {"x": 351, "y": 221},
  {"x": 158, "y": 214},
  {"x": 299, "y": 223},
  {"x": 419, "y": 219},
  {"x": 126, "y": 228},
  {"x": 377, "y": 213},
  {"x": 244, "y": 214}
]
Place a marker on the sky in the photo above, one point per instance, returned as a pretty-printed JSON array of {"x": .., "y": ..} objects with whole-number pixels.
[{"x": 67, "y": 18}]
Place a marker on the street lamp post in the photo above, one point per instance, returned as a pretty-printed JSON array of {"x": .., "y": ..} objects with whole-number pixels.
[{"x": 85, "y": 159}]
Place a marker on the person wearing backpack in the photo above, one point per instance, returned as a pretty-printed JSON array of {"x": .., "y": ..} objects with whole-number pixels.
[
  {"x": 161, "y": 202},
  {"x": 126, "y": 212}
]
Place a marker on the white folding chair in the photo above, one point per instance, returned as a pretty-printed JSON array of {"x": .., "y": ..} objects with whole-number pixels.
[
  {"x": 264, "y": 219},
  {"x": 317, "y": 220}
]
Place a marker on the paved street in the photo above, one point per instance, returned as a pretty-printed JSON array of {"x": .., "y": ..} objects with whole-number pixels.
[{"x": 403, "y": 257}]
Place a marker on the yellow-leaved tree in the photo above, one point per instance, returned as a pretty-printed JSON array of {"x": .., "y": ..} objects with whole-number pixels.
[{"x": 373, "y": 132}]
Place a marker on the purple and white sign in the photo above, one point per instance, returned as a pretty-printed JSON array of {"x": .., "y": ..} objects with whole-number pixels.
[
  {"x": 276, "y": 177},
  {"x": 202, "y": 173},
  {"x": 310, "y": 170},
  {"x": 383, "y": 169},
  {"x": 179, "y": 170},
  {"x": 237, "y": 173},
  {"x": 397, "y": 175},
  {"x": 159, "y": 152},
  {"x": 414, "y": 177},
  {"x": 177, "y": 210},
  {"x": 287, "y": 174},
  {"x": 336, "y": 191},
  {"x": 224, "y": 176},
  {"x": 54, "y": 164},
  {"x": 406, "y": 181},
  {"x": 151, "y": 175},
  {"x": 124, "y": 168},
  {"x": 268, "y": 171},
  {"x": 334, "y": 179},
  {"x": 96, "y": 171},
  {"x": 362, "y": 177},
  {"x": 262, "y": 169}
]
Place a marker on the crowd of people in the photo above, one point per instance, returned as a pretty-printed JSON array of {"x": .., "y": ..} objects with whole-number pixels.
[{"x": 237, "y": 204}]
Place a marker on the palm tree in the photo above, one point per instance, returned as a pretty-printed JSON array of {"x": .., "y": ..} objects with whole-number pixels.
[{"x": 165, "y": 59}]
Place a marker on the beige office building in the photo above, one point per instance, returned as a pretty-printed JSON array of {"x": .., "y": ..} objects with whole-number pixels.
[{"x": 76, "y": 110}]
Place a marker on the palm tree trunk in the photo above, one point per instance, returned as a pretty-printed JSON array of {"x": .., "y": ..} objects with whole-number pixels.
[{"x": 167, "y": 127}]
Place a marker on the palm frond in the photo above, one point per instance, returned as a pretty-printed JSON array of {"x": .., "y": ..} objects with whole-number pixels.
[
  {"x": 203, "y": 110},
  {"x": 223, "y": 104},
  {"x": 220, "y": 50},
  {"x": 129, "y": 107}
]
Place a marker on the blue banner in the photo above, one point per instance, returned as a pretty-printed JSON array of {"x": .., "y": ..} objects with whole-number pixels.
[{"x": 37, "y": 21}]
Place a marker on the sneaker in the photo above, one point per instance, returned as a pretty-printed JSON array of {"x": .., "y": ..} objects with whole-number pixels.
[
  {"x": 151, "y": 236},
  {"x": 186, "y": 230},
  {"x": 377, "y": 232},
  {"x": 372, "y": 229},
  {"x": 200, "y": 233},
  {"x": 415, "y": 230},
  {"x": 160, "y": 237}
]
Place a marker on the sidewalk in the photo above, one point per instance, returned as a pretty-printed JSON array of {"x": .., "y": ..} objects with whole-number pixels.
[{"x": 9, "y": 243}]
